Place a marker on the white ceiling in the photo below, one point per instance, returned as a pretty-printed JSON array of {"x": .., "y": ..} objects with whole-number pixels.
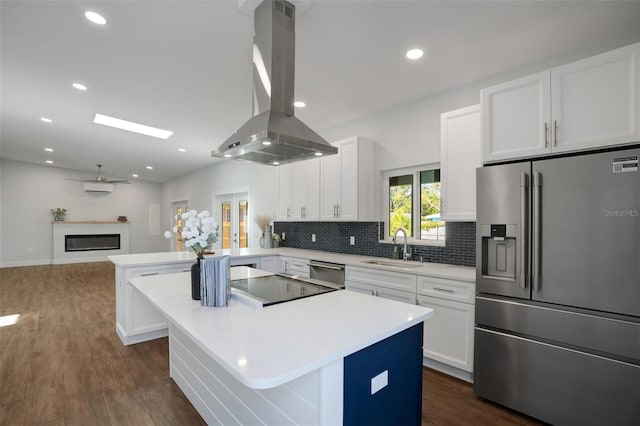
[{"x": 186, "y": 66}]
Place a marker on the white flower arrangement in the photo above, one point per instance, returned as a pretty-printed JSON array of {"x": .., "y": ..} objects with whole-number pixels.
[{"x": 199, "y": 231}]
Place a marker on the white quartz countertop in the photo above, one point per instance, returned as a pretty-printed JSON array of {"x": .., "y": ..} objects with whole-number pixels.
[
  {"x": 267, "y": 347},
  {"x": 440, "y": 270}
]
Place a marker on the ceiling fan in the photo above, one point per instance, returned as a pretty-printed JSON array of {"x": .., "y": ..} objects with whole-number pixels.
[{"x": 100, "y": 178}]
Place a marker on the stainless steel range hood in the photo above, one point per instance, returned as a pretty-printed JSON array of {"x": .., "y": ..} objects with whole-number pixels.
[{"x": 274, "y": 135}]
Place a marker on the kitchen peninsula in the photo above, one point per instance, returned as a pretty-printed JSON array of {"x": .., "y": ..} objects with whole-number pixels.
[{"x": 335, "y": 358}]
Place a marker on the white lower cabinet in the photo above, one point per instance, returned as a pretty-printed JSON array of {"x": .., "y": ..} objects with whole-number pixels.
[
  {"x": 296, "y": 266},
  {"x": 386, "y": 284},
  {"x": 270, "y": 264},
  {"x": 448, "y": 334},
  {"x": 136, "y": 319}
]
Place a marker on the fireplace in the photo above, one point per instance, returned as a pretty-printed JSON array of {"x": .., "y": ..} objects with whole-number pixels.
[
  {"x": 91, "y": 242},
  {"x": 88, "y": 241}
]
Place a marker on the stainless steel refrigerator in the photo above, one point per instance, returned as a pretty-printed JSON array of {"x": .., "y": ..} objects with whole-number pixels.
[{"x": 558, "y": 288}]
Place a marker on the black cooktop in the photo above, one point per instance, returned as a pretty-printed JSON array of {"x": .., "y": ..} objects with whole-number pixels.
[{"x": 274, "y": 289}]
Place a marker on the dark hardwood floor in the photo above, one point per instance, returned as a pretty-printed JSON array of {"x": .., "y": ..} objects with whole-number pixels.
[{"x": 62, "y": 363}]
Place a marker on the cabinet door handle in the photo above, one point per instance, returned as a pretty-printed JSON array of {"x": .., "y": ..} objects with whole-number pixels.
[
  {"x": 151, "y": 273},
  {"x": 546, "y": 139},
  {"x": 303, "y": 211},
  {"x": 338, "y": 208},
  {"x": 555, "y": 132},
  {"x": 373, "y": 293},
  {"x": 377, "y": 293},
  {"x": 445, "y": 290}
]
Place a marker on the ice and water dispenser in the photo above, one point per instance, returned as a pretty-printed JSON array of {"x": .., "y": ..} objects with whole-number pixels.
[{"x": 498, "y": 247}]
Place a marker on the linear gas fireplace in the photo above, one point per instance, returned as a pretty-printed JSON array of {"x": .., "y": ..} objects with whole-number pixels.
[
  {"x": 92, "y": 242},
  {"x": 89, "y": 241}
]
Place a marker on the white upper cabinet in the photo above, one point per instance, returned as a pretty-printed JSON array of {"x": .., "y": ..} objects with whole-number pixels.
[
  {"x": 305, "y": 190},
  {"x": 285, "y": 209},
  {"x": 596, "y": 101},
  {"x": 347, "y": 181},
  {"x": 460, "y": 156},
  {"x": 514, "y": 118},
  {"x": 591, "y": 103},
  {"x": 299, "y": 190}
]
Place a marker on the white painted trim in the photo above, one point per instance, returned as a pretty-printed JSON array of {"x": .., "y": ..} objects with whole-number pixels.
[{"x": 447, "y": 369}]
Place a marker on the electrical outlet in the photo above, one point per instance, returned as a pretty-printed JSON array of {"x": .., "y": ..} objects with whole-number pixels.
[
  {"x": 352, "y": 241},
  {"x": 313, "y": 238},
  {"x": 283, "y": 236}
]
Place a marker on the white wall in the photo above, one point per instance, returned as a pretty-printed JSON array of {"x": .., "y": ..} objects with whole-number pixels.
[
  {"x": 29, "y": 191},
  {"x": 229, "y": 176}
]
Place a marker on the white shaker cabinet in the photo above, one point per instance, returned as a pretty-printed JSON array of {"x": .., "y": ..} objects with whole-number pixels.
[
  {"x": 270, "y": 264},
  {"x": 381, "y": 283},
  {"x": 348, "y": 181},
  {"x": 285, "y": 209},
  {"x": 460, "y": 156},
  {"x": 136, "y": 319},
  {"x": 299, "y": 190},
  {"x": 448, "y": 335},
  {"x": 591, "y": 103},
  {"x": 596, "y": 101},
  {"x": 515, "y": 118},
  {"x": 296, "y": 266},
  {"x": 305, "y": 190}
]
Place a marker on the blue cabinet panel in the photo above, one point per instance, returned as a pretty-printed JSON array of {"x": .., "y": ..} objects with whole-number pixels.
[{"x": 399, "y": 402}]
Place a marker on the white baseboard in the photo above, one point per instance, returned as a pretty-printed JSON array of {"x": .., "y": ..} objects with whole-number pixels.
[{"x": 447, "y": 369}]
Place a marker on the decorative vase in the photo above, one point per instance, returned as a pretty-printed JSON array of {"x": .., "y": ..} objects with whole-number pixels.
[
  {"x": 266, "y": 240},
  {"x": 195, "y": 280}
]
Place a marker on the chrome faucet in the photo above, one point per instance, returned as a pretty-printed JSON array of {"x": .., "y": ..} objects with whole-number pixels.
[{"x": 405, "y": 254}]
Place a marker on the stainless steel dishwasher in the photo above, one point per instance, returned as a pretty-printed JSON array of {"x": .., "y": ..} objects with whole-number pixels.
[{"x": 325, "y": 271}]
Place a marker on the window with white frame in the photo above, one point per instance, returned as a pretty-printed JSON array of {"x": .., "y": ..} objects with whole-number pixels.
[{"x": 413, "y": 203}]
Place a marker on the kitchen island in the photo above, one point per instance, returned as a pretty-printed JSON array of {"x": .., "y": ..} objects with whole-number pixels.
[{"x": 335, "y": 358}]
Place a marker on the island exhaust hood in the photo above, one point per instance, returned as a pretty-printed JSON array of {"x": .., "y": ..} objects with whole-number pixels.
[{"x": 274, "y": 135}]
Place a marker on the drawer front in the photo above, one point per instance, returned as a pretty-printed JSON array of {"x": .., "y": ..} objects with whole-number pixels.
[
  {"x": 382, "y": 278},
  {"x": 447, "y": 289},
  {"x": 298, "y": 267},
  {"x": 171, "y": 268}
]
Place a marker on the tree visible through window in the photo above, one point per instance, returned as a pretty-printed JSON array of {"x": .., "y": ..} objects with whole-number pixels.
[
  {"x": 431, "y": 227},
  {"x": 426, "y": 224},
  {"x": 400, "y": 203}
]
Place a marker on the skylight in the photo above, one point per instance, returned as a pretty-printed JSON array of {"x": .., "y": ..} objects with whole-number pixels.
[{"x": 132, "y": 127}]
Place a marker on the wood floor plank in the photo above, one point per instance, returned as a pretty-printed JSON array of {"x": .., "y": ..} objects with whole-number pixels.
[{"x": 62, "y": 362}]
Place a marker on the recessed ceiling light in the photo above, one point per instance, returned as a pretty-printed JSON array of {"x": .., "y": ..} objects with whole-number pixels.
[
  {"x": 182, "y": 150},
  {"x": 149, "y": 167},
  {"x": 275, "y": 163},
  {"x": 299, "y": 104},
  {"x": 227, "y": 156},
  {"x": 266, "y": 142},
  {"x": 46, "y": 120},
  {"x": 49, "y": 162},
  {"x": 414, "y": 54},
  {"x": 131, "y": 126},
  {"x": 318, "y": 154},
  {"x": 49, "y": 149},
  {"x": 134, "y": 175},
  {"x": 94, "y": 17},
  {"x": 79, "y": 86}
]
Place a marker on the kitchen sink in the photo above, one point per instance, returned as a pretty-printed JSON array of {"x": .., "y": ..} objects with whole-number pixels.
[{"x": 395, "y": 264}]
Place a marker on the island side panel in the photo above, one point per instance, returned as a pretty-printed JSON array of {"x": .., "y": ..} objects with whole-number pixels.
[
  {"x": 221, "y": 399},
  {"x": 383, "y": 382}
]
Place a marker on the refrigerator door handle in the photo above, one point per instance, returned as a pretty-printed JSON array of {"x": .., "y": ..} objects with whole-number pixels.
[
  {"x": 524, "y": 187},
  {"x": 537, "y": 222}
]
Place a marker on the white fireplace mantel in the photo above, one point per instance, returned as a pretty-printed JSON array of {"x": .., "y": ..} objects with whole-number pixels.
[{"x": 60, "y": 229}]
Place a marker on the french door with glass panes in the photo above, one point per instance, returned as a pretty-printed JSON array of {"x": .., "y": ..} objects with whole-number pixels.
[
  {"x": 234, "y": 224},
  {"x": 178, "y": 208}
]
